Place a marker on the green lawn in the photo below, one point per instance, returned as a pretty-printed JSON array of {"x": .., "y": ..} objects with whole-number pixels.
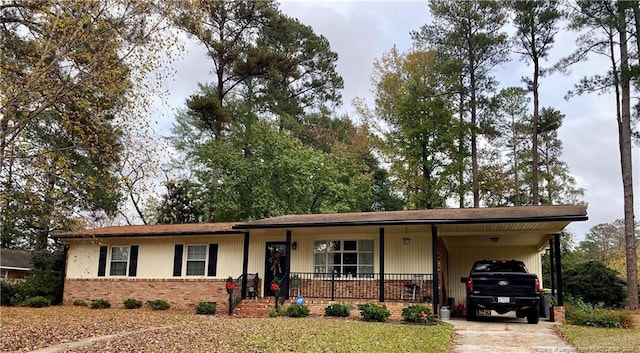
[
  {"x": 590, "y": 339},
  {"x": 28, "y": 329}
]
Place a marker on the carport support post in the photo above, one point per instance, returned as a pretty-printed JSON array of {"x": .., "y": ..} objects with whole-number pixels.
[
  {"x": 245, "y": 265},
  {"x": 287, "y": 259},
  {"x": 381, "y": 260},
  {"x": 434, "y": 255},
  {"x": 552, "y": 267},
  {"x": 558, "y": 253}
]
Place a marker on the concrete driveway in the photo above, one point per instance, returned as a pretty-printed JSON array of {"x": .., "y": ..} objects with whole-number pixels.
[{"x": 507, "y": 334}]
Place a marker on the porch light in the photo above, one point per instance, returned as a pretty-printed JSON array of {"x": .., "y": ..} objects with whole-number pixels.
[
  {"x": 494, "y": 239},
  {"x": 294, "y": 245},
  {"x": 406, "y": 241}
]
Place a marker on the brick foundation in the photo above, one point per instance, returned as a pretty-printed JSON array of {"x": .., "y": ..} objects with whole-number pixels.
[
  {"x": 317, "y": 306},
  {"x": 180, "y": 293},
  {"x": 259, "y": 308}
]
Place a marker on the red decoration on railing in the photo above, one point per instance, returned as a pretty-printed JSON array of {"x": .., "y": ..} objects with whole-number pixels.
[
  {"x": 229, "y": 285},
  {"x": 275, "y": 287}
]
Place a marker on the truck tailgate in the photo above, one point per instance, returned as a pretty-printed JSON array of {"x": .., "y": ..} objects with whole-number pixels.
[{"x": 505, "y": 284}]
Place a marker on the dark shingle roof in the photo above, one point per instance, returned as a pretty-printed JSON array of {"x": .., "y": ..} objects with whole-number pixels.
[
  {"x": 11, "y": 258},
  {"x": 432, "y": 216},
  {"x": 152, "y": 230}
]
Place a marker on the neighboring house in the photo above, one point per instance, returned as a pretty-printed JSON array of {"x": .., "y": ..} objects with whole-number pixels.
[
  {"x": 14, "y": 264},
  {"x": 394, "y": 256}
]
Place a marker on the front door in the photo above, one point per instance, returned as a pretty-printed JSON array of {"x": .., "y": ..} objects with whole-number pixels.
[{"x": 276, "y": 267}]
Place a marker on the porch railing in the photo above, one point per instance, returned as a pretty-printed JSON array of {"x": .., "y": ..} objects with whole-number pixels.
[{"x": 397, "y": 286}]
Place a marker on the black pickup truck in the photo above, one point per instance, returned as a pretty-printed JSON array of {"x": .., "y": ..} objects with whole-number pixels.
[{"x": 503, "y": 286}]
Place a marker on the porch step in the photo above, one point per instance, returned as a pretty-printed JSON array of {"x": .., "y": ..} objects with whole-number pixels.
[{"x": 254, "y": 307}]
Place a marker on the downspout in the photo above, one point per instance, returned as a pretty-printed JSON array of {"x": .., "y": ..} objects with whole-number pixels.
[
  {"x": 434, "y": 275},
  {"x": 381, "y": 260},
  {"x": 245, "y": 265}
]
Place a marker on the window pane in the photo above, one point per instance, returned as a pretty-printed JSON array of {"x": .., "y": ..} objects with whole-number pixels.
[
  {"x": 120, "y": 253},
  {"x": 350, "y": 258},
  {"x": 320, "y": 246},
  {"x": 118, "y": 269},
  {"x": 196, "y": 252},
  {"x": 350, "y": 245},
  {"x": 365, "y": 258},
  {"x": 195, "y": 268},
  {"x": 335, "y": 269},
  {"x": 365, "y": 245},
  {"x": 119, "y": 259},
  {"x": 366, "y": 269},
  {"x": 345, "y": 259},
  {"x": 351, "y": 271}
]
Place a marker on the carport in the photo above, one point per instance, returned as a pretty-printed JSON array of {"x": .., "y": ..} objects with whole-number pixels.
[{"x": 520, "y": 233}]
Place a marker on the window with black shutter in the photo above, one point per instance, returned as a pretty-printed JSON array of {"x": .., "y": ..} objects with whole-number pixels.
[{"x": 177, "y": 260}]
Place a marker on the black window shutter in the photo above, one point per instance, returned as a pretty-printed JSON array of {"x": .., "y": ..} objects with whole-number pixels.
[
  {"x": 177, "y": 260},
  {"x": 213, "y": 260},
  {"x": 102, "y": 261},
  {"x": 133, "y": 261}
]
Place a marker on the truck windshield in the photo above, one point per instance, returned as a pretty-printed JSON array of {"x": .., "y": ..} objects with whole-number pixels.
[{"x": 500, "y": 266}]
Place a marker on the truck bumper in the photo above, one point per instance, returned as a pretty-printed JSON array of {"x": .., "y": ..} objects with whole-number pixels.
[{"x": 494, "y": 303}]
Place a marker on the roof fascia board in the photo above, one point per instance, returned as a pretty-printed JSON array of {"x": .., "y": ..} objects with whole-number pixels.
[
  {"x": 145, "y": 235},
  {"x": 413, "y": 222},
  {"x": 15, "y": 268}
]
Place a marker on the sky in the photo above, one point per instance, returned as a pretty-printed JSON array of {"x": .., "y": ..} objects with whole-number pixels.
[{"x": 361, "y": 32}]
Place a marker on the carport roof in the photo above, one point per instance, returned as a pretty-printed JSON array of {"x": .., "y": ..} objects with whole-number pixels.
[
  {"x": 523, "y": 214},
  {"x": 152, "y": 230}
]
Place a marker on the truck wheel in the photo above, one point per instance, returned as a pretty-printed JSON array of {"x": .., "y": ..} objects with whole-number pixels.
[
  {"x": 471, "y": 312},
  {"x": 533, "y": 317}
]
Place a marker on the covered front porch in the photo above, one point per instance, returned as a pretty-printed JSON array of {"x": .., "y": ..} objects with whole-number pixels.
[{"x": 400, "y": 256}]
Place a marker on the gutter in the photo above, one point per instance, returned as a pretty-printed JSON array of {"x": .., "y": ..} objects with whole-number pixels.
[
  {"x": 143, "y": 235},
  {"x": 410, "y": 222}
]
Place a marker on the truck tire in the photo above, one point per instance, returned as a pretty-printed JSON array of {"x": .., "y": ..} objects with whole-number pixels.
[
  {"x": 471, "y": 312},
  {"x": 534, "y": 316}
]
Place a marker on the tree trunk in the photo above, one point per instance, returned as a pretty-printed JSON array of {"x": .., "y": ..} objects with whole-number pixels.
[
  {"x": 624, "y": 136},
  {"x": 44, "y": 223},
  {"x": 536, "y": 118},
  {"x": 461, "y": 190},
  {"x": 516, "y": 179},
  {"x": 474, "y": 147},
  {"x": 8, "y": 222}
]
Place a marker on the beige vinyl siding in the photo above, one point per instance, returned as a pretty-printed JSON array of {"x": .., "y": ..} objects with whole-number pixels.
[
  {"x": 155, "y": 256},
  {"x": 257, "y": 245},
  {"x": 462, "y": 258},
  {"x": 82, "y": 259},
  {"x": 412, "y": 258}
]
